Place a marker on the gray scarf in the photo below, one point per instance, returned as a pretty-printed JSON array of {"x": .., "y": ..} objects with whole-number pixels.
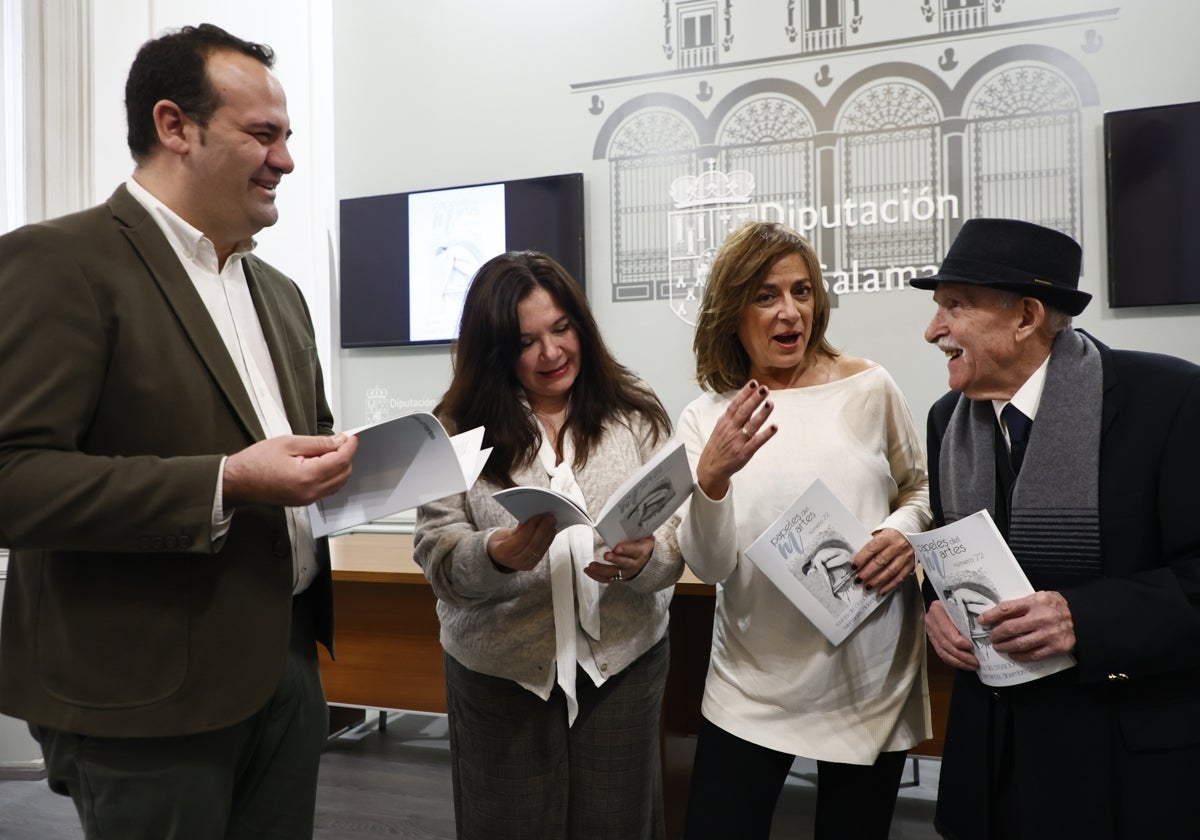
[{"x": 1054, "y": 526}]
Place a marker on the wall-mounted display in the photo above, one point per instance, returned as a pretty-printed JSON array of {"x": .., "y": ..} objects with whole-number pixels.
[
  {"x": 1153, "y": 179},
  {"x": 407, "y": 258}
]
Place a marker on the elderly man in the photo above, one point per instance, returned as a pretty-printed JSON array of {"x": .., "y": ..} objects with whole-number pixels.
[{"x": 1088, "y": 459}]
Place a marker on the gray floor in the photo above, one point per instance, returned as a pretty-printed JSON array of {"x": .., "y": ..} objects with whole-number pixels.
[{"x": 396, "y": 783}]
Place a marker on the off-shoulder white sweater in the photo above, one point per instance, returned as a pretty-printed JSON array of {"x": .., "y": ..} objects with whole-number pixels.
[{"x": 773, "y": 679}]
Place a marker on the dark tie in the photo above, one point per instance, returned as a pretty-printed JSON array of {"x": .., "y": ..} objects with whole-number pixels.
[{"x": 1018, "y": 434}]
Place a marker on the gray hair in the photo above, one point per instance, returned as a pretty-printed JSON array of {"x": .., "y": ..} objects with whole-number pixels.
[{"x": 1056, "y": 319}]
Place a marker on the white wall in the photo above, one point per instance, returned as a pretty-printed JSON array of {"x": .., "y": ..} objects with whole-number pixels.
[{"x": 448, "y": 93}]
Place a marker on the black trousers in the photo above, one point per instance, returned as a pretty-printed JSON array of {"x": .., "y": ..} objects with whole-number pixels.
[
  {"x": 736, "y": 786},
  {"x": 254, "y": 780}
]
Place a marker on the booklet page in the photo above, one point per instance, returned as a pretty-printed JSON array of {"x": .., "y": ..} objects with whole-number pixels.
[
  {"x": 527, "y": 502},
  {"x": 401, "y": 463},
  {"x": 971, "y": 567},
  {"x": 648, "y": 498},
  {"x": 806, "y": 552},
  {"x": 642, "y": 503}
]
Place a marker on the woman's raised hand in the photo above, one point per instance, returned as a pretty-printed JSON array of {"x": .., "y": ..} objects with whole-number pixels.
[{"x": 739, "y": 433}]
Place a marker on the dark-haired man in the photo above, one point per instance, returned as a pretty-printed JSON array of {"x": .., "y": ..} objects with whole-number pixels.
[
  {"x": 162, "y": 426},
  {"x": 1093, "y": 486}
]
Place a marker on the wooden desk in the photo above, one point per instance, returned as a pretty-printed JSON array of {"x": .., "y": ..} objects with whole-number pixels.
[
  {"x": 386, "y": 633},
  {"x": 389, "y": 657},
  {"x": 385, "y": 628}
]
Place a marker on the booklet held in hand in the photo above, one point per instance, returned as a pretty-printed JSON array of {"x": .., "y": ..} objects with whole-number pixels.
[
  {"x": 401, "y": 463},
  {"x": 635, "y": 509},
  {"x": 806, "y": 552},
  {"x": 972, "y": 568}
]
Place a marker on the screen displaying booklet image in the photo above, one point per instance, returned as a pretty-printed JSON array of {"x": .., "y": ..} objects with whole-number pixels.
[
  {"x": 644, "y": 502},
  {"x": 401, "y": 463},
  {"x": 972, "y": 569},
  {"x": 806, "y": 552}
]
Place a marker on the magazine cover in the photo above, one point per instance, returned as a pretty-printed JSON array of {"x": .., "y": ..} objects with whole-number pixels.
[
  {"x": 401, "y": 463},
  {"x": 806, "y": 552},
  {"x": 972, "y": 569},
  {"x": 636, "y": 509}
]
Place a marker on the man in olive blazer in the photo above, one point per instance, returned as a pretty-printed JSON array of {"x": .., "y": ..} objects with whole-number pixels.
[{"x": 151, "y": 622}]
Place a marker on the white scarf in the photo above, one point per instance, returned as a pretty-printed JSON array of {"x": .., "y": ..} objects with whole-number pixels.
[{"x": 570, "y": 552}]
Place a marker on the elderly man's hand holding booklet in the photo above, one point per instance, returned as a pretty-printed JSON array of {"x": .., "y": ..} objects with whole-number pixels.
[{"x": 972, "y": 569}]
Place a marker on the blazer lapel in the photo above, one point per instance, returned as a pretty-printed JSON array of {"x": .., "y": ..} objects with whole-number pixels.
[
  {"x": 160, "y": 259},
  {"x": 1108, "y": 406},
  {"x": 276, "y": 333}
]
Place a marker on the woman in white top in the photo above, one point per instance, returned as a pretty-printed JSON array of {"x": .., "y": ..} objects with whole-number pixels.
[
  {"x": 556, "y": 649},
  {"x": 784, "y": 408}
]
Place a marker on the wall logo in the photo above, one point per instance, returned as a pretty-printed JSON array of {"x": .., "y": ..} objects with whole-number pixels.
[
  {"x": 380, "y": 406},
  {"x": 377, "y": 405},
  {"x": 707, "y": 207},
  {"x": 877, "y": 164}
]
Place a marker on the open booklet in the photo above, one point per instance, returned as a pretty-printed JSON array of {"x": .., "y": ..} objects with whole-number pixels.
[
  {"x": 642, "y": 503},
  {"x": 972, "y": 569},
  {"x": 806, "y": 552},
  {"x": 401, "y": 463}
]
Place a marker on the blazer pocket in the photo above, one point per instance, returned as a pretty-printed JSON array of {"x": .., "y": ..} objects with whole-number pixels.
[
  {"x": 304, "y": 358},
  {"x": 112, "y": 632},
  {"x": 1172, "y": 722}
]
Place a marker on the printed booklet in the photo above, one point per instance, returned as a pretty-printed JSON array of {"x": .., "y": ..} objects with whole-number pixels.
[
  {"x": 401, "y": 463},
  {"x": 640, "y": 505},
  {"x": 806, "y": 552},
  {"x": 972, "y": 569}
]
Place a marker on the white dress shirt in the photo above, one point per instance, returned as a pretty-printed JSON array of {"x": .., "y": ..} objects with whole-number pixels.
[
  {"x": 226, "y": 295},
  {"x": 1026, "y": 398}
]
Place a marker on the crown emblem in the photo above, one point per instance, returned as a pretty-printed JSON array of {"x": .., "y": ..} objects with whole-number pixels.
[
  {"x": 377, "y": 404},
  {"x": 712, "y": 187}
]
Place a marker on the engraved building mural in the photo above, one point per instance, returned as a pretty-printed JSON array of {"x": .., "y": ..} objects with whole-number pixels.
[{"x": 877, "y": 163}]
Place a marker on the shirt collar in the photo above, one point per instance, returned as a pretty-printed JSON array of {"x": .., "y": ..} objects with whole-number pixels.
[
  {"x": 184, "y": 239},
  {"x": 1028, "y": 396}
]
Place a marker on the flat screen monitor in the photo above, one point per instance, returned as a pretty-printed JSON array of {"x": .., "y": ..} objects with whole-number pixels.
[
  {"x": 1153, "y": 197},
  {"x": 408, "y": 258}
]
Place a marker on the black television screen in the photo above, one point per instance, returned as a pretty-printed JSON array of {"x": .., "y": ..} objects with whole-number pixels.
[
  {"x": 1153, "y": 180},
  {"x": 407, "y": 258}
]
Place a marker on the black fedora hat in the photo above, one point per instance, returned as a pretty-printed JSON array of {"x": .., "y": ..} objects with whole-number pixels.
[{"x": 1015, "y": 256}]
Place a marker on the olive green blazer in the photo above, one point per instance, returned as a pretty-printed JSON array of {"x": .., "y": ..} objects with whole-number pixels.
[{"x": 122, "y": 616}]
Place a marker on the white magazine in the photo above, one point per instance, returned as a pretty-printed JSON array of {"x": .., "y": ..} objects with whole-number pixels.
[
  {"x": 806, "y": 552},
  {"x": 401, "y": 463},
  {"x": 634, "y": 510},
  {"x": 972, "y": 568}
]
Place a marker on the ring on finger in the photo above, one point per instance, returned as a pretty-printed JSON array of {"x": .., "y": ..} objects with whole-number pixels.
[
  {"x": 618, "y": 577},
  {"x": 746, "y": 433},
  {"x": 881, "y": 561}
]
